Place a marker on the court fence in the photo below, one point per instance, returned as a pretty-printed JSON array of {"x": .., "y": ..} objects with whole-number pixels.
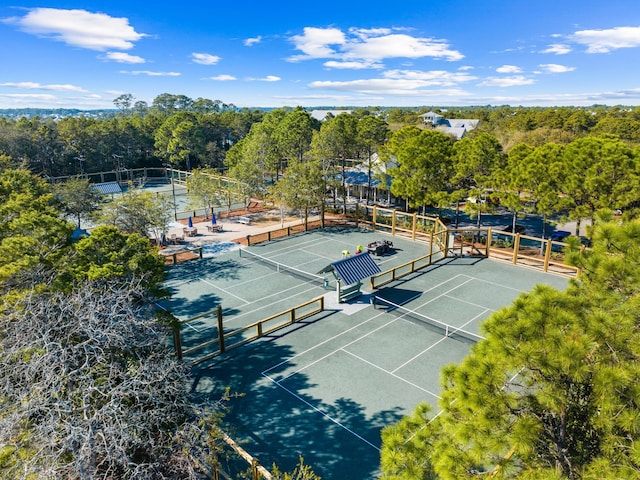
[
  {"x": 227, "y": 340},
  {"x": 532, "y": 252}
]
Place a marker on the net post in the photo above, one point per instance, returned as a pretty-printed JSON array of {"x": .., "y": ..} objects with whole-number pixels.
[{"x": 220, "y": 329}]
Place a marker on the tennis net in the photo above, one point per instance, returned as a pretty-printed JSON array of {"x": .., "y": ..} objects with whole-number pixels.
[
  {"x": 450, "y": 331},
  {"x": 282, "y": 268}
]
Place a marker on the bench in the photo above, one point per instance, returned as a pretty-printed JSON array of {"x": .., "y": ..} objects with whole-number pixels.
[
  {"x": 214, "y": 228},
  {"x": 244, "y": 220},
  {"x": 350, "y": 292}
]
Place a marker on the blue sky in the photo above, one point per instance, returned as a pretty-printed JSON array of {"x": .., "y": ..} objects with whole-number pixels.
[{"x": 83, "y": 54}]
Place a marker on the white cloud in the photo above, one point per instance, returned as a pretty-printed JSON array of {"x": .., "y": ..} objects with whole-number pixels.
[
  {"x": 30, "y": 96},
  {"x": 508, "y": 69},
  {"x": 555, "y": 68},
  {"x": 204, "y": 58},
  {"x": 79, "y": 28},
  {"x": 410, "y": 83},
  {"x": 387, "y": 86},
  {"x": 435, "y": 77},
  {"x": 122, "y": 57},
  {"x": 557, "y": 48},
  {"x": 604, "y": 41},
  {"x": 354, "y": 65},
  {"x": 400, "y": 45},
  {"x": 367, "y": 46},
  {"x": 38, "y": 86},
  {"x": 250, "y": 42},
  {"x": 513, "y": 81},
  {"x": 151, "y": 74},
  {"x": 223, "y": 78},
  {"x": 268, "y": 78},
  {"x": 315, "y": 43}
]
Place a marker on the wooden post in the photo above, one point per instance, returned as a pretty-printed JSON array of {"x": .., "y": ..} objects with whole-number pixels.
[
  {"x": 393, "y": 223},
  {"x": 200, "y": 252},
  {"x": 248, "y": 240},
  {"x": 269, "y": 236},
  {"x": 430, "y": 247},
  {"x": 220, "y": 329},
  {"x": 177, "y": 342},
  {"x": 547, "y": 256},
  {"x": 374, "y": 218},
  {"x": 516, "y": 246},
  {"x": 414, "y": 225}
]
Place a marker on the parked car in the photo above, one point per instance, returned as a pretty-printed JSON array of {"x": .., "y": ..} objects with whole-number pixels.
[
  {"x": 519, "y": 229},
  {"x": 559, "y": 235}
]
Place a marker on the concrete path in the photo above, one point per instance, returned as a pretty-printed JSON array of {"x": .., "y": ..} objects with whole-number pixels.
[{"x": 232, "y": 230}]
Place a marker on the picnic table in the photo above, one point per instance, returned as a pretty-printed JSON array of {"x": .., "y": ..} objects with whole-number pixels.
[{"x": 379, "y": 247}]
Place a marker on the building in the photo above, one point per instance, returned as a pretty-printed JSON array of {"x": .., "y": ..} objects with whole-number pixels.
[{"x": 455, "y": 127}]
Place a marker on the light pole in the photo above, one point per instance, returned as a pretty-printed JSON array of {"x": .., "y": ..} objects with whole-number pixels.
[
  {"x": 173, "y": 187},
  {"x": 117, "y": 159}
]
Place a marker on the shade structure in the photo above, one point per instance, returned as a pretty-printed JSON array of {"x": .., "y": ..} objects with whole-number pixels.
[
  {"x": 352, "y": 269},
  {"x": 213, "y": 218},
  {"x": 190, "y": 224}
]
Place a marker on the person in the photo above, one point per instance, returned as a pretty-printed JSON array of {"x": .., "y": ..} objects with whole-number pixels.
[
  {"x": 359, "y": 249},
  {"x": 345, "y": 253}
]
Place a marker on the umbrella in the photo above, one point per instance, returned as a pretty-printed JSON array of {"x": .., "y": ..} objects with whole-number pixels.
[
  {"x": 213, "y": 218},
  {"x": 190, "y": 223}
]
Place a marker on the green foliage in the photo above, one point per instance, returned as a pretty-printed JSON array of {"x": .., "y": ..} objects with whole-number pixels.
[
  {"x": 138, "y": 211},
  {"x": 300, "y": 472},
  {"x": 78, "y": 199},
  {"x": 550, "y": 393},
  {"x": 423, "y": 159},
  {"x": 108, "y": 254},
  {"x": 204, "y": 189}
]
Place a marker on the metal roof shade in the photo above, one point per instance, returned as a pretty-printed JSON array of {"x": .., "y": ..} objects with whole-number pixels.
[{"x": 352, "y": 269}]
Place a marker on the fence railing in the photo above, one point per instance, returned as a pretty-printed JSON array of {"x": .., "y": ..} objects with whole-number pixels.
[
  {"x": 437, "y": 252},
  {"x": 223, "y": 341}
]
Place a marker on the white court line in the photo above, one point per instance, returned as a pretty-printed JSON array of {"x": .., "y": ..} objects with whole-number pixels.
[
  {"x": 322, "y": 413},
  {"x": 223, "y": 290},
  {"x": 389, "y": 373},
  {"x": 289, "y": 360},
  {"x": 349, "y": 330},
  {"x": 240, "y": 315},
  {"x": 438, "y": 342},
  {"x": 276, "y": 251},
  {"x": 469, "y": 303},
  {"x": 334, "y": 351},
  {"x": 317, "y": 345}
]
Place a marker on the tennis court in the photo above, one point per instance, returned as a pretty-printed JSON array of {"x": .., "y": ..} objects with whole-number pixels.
[{"x": 323, "y": 388}]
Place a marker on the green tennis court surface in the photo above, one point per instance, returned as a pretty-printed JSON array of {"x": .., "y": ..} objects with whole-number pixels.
[{"x": 323, "y": 388}]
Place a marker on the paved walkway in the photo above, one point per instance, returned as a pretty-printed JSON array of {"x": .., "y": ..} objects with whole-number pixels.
[{"x": 233, "y": 230}]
